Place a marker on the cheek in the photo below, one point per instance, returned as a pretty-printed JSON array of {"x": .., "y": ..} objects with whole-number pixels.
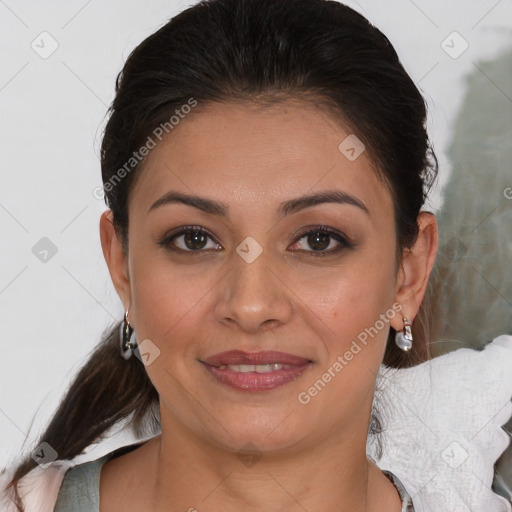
[
  {"x": 170, "y": 311},
  {"x": 166, "y": 297},
  {"x": 351, "y": 297},
  {"x": 356, "y": 304}
]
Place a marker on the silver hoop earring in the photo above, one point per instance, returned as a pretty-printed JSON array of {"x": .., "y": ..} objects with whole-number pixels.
[
  {"x": 403, "y": 339},
  {"x": 127, "y": 338}
]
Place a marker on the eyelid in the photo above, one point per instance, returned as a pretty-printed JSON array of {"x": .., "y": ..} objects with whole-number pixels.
[
  {"x": 344, "y": 241},
  {"x": 166, "y": 240},
  {"x": 319, "y": 227}
]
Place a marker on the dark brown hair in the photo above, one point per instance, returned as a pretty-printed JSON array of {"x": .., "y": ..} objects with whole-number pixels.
[{"x": 248, "y": 50}]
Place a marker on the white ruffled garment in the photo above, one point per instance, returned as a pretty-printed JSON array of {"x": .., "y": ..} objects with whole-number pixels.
[
  {"x": 442, "y": 427},
  {"x": 442, "y": 433}
]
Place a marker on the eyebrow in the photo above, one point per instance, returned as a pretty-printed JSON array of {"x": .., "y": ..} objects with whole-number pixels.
[{"x": 215, "y": 207}]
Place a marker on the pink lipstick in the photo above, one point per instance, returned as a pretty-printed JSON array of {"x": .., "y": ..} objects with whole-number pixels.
[{"x": 256, "y": 371}]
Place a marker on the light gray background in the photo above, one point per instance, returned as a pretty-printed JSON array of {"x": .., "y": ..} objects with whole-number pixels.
[{"x": 52, "y": 113}]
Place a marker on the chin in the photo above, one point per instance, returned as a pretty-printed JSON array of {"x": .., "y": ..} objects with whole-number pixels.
[{"x": 265, "y": 434}]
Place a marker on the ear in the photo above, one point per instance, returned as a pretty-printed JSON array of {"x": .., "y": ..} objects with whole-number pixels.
[
  {"x": 116, "y": 260},
  {"x": 415, "y": 270}
]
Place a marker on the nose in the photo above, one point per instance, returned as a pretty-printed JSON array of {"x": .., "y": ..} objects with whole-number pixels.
[{"x": 253, "y": 296}]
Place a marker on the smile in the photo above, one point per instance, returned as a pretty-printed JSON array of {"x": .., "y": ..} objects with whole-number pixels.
[
  {"x": 258, "y": 368},
  {"x": 256, "y": 377}
]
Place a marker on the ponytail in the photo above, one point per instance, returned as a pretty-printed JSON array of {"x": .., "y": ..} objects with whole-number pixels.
[{"x": 106, "y": 390}]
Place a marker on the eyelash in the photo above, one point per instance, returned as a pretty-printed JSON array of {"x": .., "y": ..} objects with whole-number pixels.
[{"x": 343, "y": 240}]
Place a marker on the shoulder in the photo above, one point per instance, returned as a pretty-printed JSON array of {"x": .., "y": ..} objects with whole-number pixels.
[
  {"x": 443, "y": 425},
  {"x": 80, "y": 489},
  {"x": 61, "y": 485}
]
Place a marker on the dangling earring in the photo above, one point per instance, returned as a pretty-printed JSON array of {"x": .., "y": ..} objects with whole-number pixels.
[
  {"x": 403, "y": 339},
  {"x": 127, "y": 338}
]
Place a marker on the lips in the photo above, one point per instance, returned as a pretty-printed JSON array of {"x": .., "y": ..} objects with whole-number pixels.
[
  {"x": 238, "y": 357},
  {"x": 255, "y": 371}
]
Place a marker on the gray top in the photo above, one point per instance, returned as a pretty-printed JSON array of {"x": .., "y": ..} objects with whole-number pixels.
[{"x": 80, "y": 489}]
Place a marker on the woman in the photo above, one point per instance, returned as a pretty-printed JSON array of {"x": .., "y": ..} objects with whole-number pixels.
[{"x": 265, "y": 165}]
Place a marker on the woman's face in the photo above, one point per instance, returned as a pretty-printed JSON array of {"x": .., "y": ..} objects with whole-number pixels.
[{"x": 255, "y": 280}]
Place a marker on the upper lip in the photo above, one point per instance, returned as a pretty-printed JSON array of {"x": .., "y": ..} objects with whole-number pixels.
[{"x": 264, "y": 357}]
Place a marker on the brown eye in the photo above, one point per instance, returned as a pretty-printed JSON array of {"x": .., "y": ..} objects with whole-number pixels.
[
  {"x": 195, "y": 240},
  {"x": 321, "y": 241},
  {"x": 189, "y": 240}
]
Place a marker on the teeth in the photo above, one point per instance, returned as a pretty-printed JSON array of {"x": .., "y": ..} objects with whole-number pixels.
[{"x": 258, "y": 368}]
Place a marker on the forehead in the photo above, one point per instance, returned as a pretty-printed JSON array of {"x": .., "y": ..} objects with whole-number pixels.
[{"x": 243, "y": 153}]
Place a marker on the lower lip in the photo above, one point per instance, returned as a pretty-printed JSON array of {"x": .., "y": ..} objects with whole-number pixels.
[{"x": 253, "y": 381}]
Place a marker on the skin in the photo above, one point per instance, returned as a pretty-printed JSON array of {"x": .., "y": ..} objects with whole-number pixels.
[{"x": 191, "y": 306}]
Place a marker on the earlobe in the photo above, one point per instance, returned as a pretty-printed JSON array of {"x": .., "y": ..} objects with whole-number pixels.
[
  {"x": 115, "y": 258},
  {"x": 416, "y": 267}
]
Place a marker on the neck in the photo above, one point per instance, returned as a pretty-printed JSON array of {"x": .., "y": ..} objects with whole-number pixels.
[{"x": 198, "y": 476}]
